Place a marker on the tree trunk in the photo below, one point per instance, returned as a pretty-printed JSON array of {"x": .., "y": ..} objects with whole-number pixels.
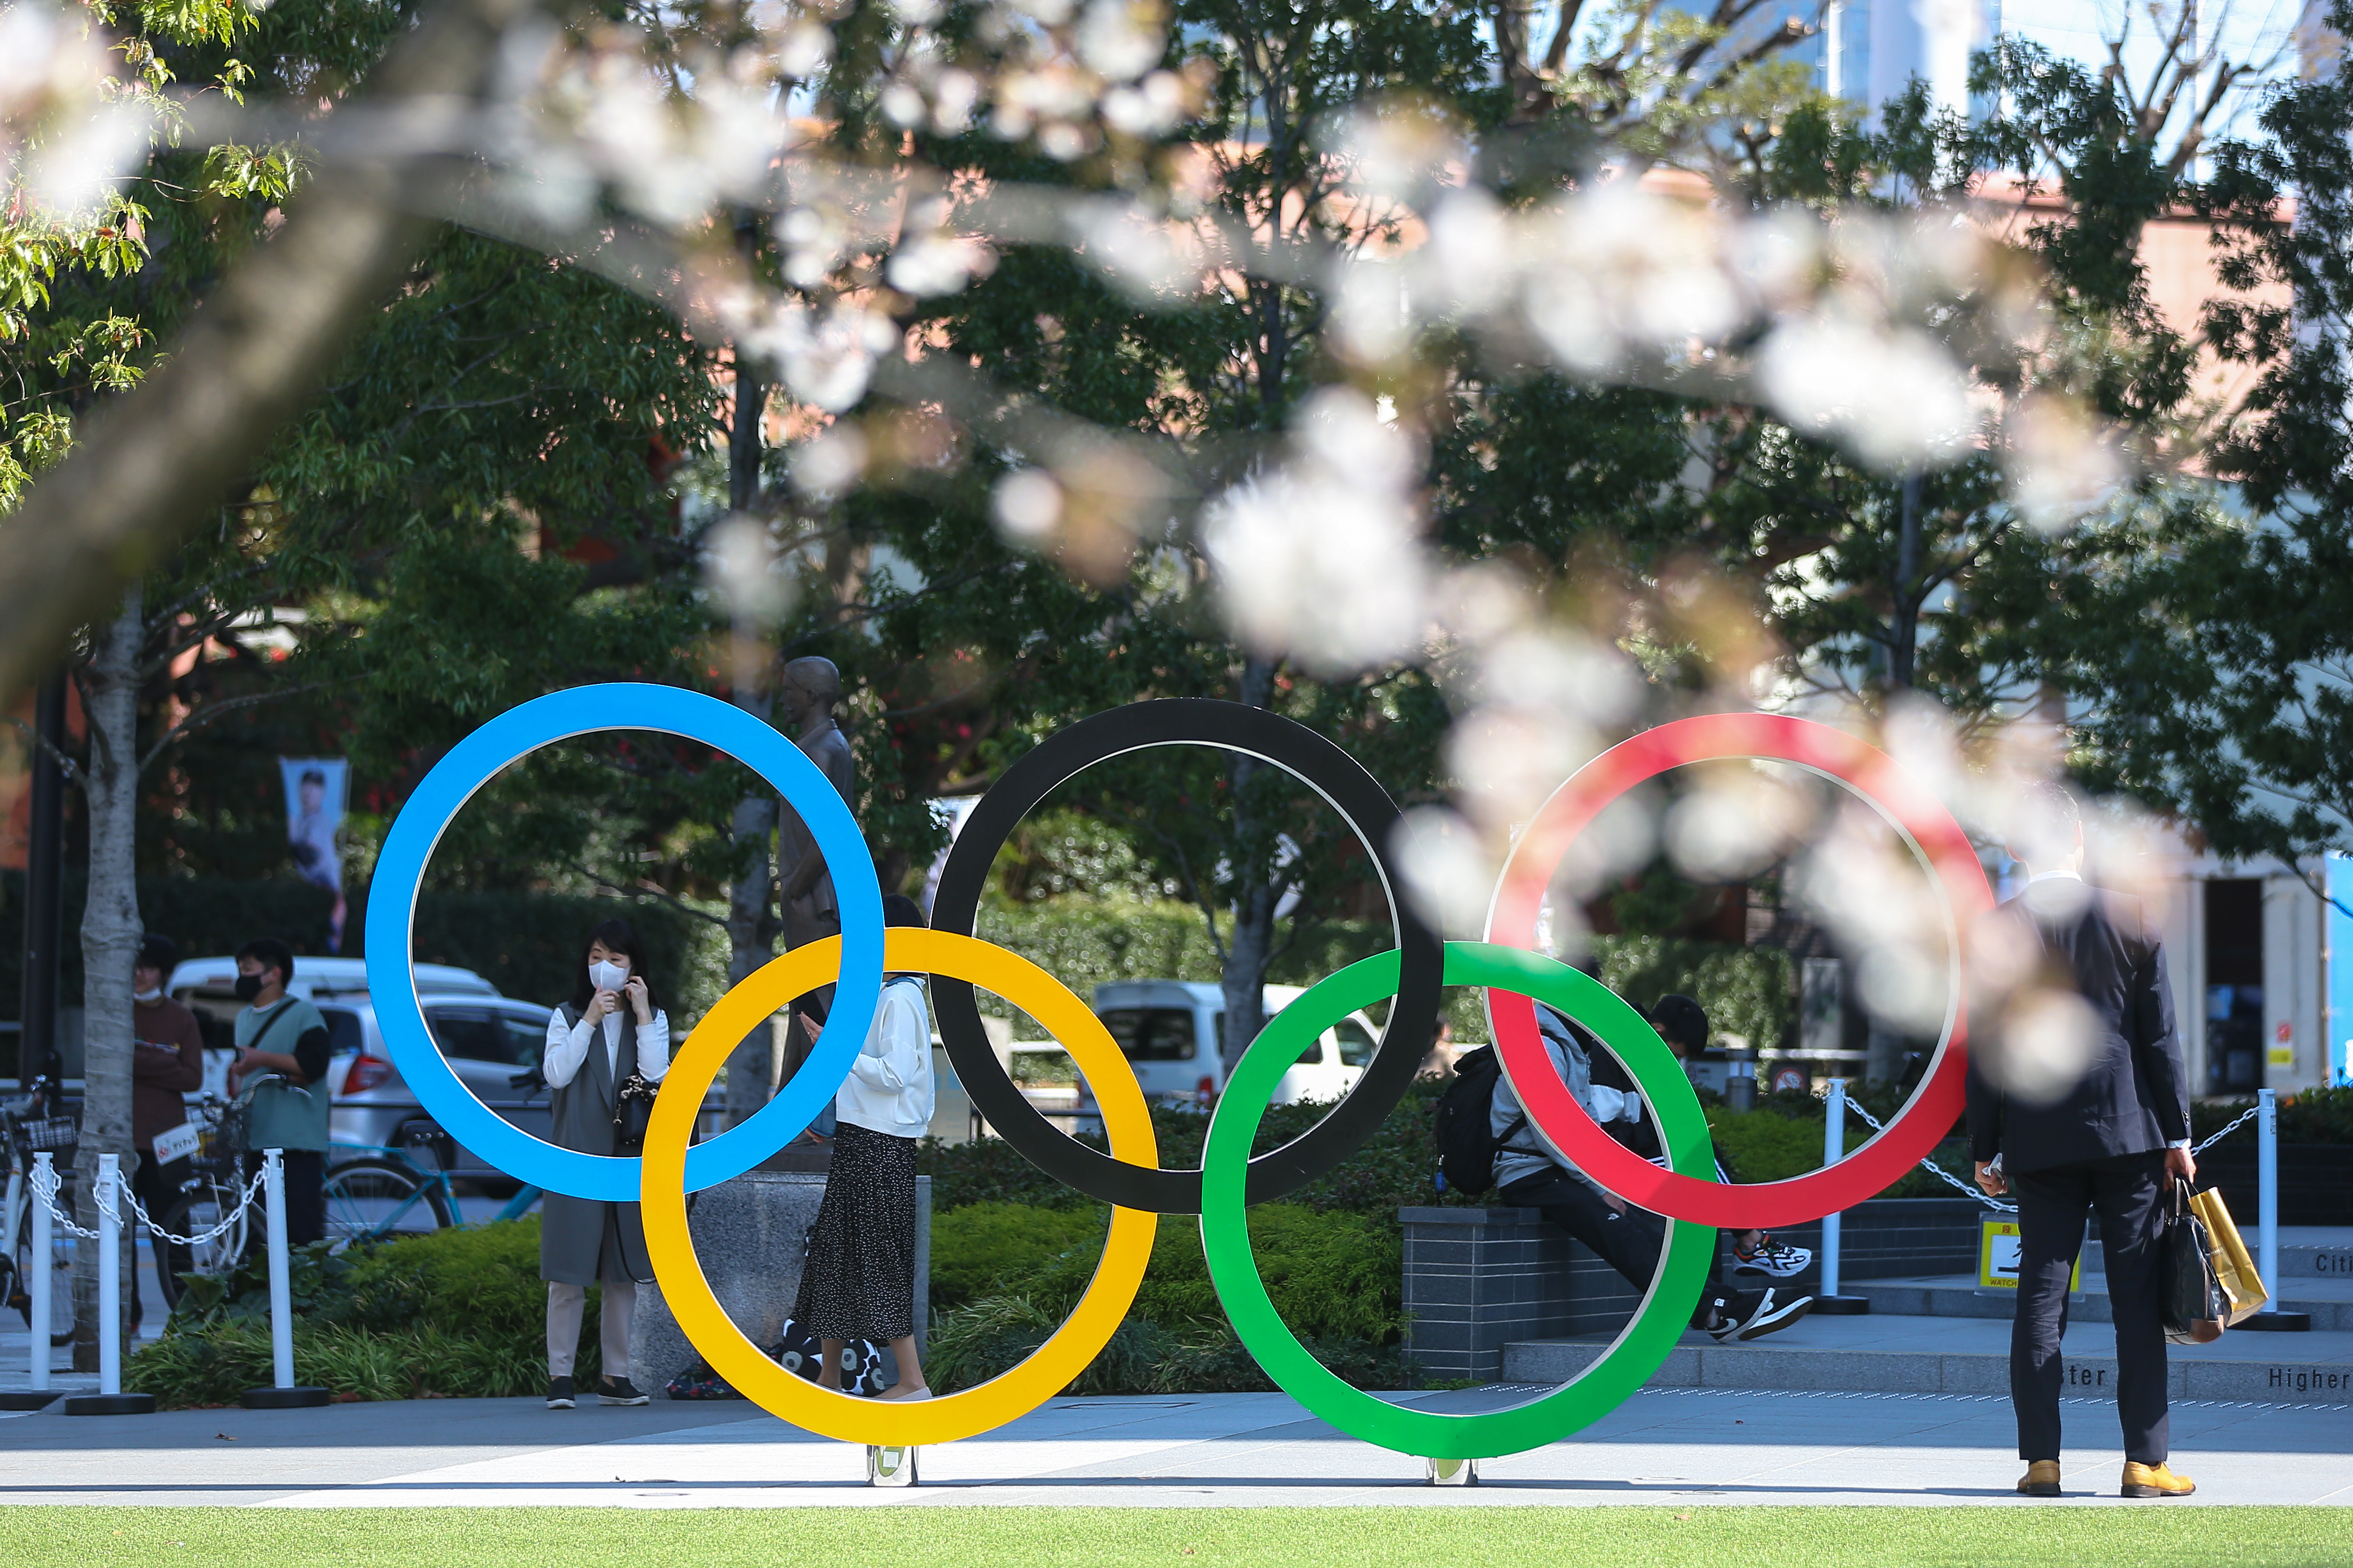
[
  {"x": 109, "y": 941},
  {"x": 750, "y": 932},
  {"x": 1244, "y": 977}
]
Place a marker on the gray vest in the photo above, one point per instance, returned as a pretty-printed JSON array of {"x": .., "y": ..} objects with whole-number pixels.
[
  {"x": 581, "y": 1240},
  {"x": 583, "y": 1109}
]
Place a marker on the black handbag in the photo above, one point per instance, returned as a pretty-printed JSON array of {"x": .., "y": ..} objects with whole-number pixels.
[
  {"x": 633, "y": 1107},
  {"x": 2195, "y": 1307}
]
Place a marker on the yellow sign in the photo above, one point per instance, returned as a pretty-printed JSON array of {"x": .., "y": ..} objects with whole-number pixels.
[{"x": 1997, "y": 1253}]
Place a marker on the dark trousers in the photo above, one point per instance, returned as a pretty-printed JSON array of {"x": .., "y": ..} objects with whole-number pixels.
[
  {"x": 306, "y": 1198},
  {"x": 1628, "y": 1241},
  {"x": 2128, "y": 1192},
  {"x": 158, "y": 1188}
]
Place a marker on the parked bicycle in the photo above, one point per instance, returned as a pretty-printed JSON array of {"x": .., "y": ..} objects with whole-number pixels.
[
  {"x": 212, "y": 1194},
  {"x": 38, "y": 1122},
  {"x": 408, "y": 1189}
]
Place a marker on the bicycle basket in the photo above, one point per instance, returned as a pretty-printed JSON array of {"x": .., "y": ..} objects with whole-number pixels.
[{"x": 50, "y": 1134}]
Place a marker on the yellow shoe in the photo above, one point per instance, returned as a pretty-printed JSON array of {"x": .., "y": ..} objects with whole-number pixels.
[
  {"x": 2042, "y": 1479},
  {"x": 2156, "y": 1480}
]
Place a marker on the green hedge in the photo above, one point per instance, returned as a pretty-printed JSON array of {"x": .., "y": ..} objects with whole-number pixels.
[
  {"x": 457, "y": 1312},
  {"x": 1006, "y": 1275},
  {"x": 2307, "y": 1116}
]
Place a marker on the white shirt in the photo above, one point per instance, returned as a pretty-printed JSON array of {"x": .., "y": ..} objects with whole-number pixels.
[
  {"x": 890, "y": 1088},
  {"x": 567, "y": 1047}
]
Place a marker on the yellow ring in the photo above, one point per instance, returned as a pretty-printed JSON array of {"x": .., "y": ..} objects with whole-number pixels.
[{"x": 1007, "y": 1397}]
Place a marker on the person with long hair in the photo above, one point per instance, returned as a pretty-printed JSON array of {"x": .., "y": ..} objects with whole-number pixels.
[
  {"x": 610, "y": 1029},
  {"x": 859, "y": 1280}
]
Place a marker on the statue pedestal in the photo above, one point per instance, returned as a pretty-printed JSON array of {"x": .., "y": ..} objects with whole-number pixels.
[{"x": 750, "y": 1234}]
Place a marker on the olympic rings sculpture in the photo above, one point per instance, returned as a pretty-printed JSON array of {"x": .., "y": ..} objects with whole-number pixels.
[{"x": 1129, "y": 1177}]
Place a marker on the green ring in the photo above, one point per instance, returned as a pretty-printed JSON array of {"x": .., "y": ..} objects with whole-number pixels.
[{"x": 1639, "y": 1350}]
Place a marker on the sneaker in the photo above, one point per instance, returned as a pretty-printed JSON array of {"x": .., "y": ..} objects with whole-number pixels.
[
  {"x": 620, "y": 1390},
  {"x": 1753, "y": 1314},
  {"x": 1772, "y": 1259},
  {"x": 559, "y": 1394}
]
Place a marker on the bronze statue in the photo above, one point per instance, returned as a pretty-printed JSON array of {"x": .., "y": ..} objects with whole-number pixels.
[{"x": 810, "y": 912}]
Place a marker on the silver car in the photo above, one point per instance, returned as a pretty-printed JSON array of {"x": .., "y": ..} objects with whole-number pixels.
[{"x": 488, "y": 1040}]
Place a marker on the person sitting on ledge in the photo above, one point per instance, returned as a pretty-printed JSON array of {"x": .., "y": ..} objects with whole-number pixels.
[{"x": 1530, "y": 1176}]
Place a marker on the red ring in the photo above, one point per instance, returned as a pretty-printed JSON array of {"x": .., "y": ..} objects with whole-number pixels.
[{"x": 1519, "y": 892}]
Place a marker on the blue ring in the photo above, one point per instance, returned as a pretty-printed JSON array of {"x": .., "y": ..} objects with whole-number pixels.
[{"x": 471, "y": 763}]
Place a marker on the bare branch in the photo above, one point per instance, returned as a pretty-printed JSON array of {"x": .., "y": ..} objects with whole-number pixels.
[
  {"x": 212, "y": 711},
  {"x": 650, "y": 890}
]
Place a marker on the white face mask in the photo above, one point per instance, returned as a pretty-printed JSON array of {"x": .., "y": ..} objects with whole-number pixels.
[
  {"x": 155, "y": 996},
  {"x": 608, "y": 976}
]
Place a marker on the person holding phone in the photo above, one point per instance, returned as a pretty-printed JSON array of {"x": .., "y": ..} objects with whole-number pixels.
[{"x": 610, "y": 1029}]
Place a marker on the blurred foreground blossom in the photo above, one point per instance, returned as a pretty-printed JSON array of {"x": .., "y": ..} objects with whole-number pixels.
[
  {"x": 1322, "y": 558},
  {"x": 826, "y": 352},
  {"x": 1447, "y": 870},
  {"x": 68, "y": 131}
]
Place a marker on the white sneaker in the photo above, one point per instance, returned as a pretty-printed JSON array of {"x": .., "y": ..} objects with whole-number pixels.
[{"x": 1773, "y": 1260}]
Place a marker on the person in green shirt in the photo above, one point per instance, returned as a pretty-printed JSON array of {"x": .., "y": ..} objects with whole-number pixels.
[{"x": 282, "y": 1034}]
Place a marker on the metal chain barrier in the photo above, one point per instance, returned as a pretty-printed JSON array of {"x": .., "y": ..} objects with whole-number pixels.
[
  {"x": 244, "y": 1201},
  {"x": 48, "y": 1191},
  {"x": 2245, "y": 1117},
  {"x": 1952, "y": 1181},
  {"x": 1947, "y": 1177}
]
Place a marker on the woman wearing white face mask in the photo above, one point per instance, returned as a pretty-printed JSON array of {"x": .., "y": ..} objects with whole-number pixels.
[{"x": 609, "y": 1030}]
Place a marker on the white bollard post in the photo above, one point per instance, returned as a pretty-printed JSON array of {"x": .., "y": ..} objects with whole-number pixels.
[
  {"x": 45, "y": 1181},
  {"x": 2267, "y": 1191},
  {"x": 1829, "y": 1302},
  {"x": 110, "y": 1399},
  {"x": 1833, "y": 1150},
  {"x": 110, "y": 1276},
  {"x": 285, "y": 1395},
  {"x": 282, "y": 1299}
]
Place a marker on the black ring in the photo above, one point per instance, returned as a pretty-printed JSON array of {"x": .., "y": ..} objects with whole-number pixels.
[{"x": 1324, "y": 768}]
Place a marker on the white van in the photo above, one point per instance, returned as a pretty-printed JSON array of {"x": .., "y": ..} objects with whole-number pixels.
[{"x": 1170, "y": 1030}]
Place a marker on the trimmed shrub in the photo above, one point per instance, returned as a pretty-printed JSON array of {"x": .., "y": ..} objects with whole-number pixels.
[
  {"x": 457, "y": 1312},
  {"x": 993, "y": 1248}
]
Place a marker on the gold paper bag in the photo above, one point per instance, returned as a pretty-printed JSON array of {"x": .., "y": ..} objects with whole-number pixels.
[{"x": 2232, "y": 1267}]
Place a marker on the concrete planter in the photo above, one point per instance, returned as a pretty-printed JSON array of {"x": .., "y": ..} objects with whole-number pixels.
[
  {"x": 750, "y": 1234},
  {"x": 1477, "y": 1278}
]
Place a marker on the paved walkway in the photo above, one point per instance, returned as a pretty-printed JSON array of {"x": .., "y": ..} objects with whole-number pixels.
[{"x": 1661, "y": 1446}]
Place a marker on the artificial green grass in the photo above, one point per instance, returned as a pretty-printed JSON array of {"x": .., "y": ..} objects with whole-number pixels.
[{"x": 1455, "y": 1535}]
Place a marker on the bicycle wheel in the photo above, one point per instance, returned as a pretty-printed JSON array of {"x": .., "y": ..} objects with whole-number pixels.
[
  {"x": 194, "y": 1212},
  {"x": 59, "y": 1264},
  {"x": 371, "y": 1199}
]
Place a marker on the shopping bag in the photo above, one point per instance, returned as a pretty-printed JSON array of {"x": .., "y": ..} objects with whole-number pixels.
[
  {"x": 2192, "y": 1302},
  {"x": 2232, "y": 1266}
]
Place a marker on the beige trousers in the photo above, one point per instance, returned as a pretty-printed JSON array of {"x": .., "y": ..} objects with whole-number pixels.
[{"x": 566, "y": 1306}]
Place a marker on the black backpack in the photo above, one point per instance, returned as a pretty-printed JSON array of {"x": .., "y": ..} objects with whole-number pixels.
[{"x": 1466, "y": 1148}]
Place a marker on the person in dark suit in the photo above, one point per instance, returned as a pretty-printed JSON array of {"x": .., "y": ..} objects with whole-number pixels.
[{"x": 2078, "y": 1103}]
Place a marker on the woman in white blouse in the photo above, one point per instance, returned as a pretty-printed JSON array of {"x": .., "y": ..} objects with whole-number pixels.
[
  {"x": 858, "y": 1281},
  {"x": 610, "y": 1029}
]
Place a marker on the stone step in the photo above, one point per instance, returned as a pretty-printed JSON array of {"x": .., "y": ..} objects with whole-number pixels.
[
  {"x": 1891, "y": 1354},
  {"x": 2329, "y": 1302},
  {"x": 2333, "y": 1262}
]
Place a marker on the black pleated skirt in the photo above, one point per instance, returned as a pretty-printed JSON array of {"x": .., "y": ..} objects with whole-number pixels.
[{"x": 858, "y": 1279}]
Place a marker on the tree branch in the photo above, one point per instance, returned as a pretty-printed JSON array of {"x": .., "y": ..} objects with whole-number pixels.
[
  {"x": 648, "y": 890},
  {"x": 212, "y": 711},
  {"x": 159, "y": 460}
]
